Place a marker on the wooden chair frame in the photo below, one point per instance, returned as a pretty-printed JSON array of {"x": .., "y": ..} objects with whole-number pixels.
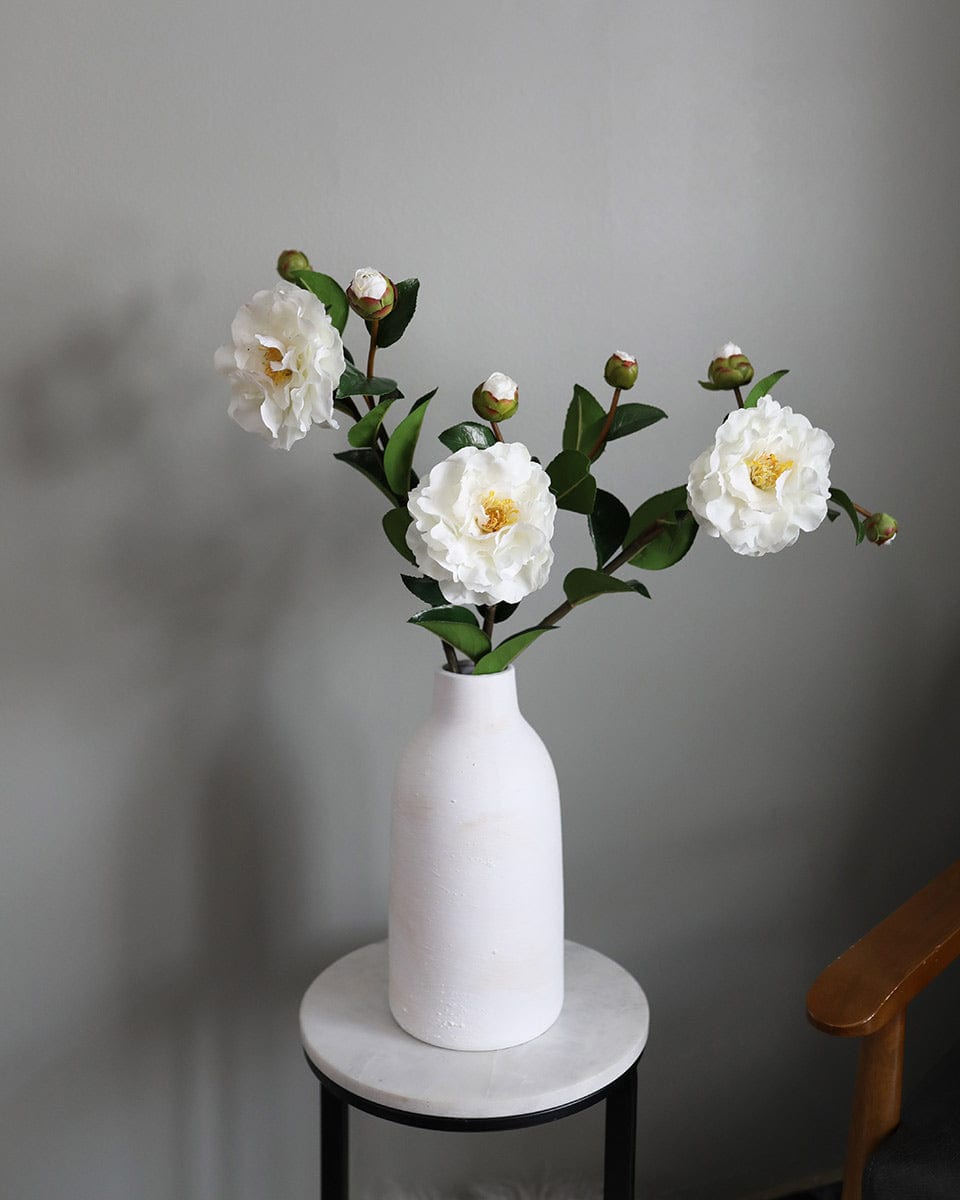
[{"x": 864, "y": 994}]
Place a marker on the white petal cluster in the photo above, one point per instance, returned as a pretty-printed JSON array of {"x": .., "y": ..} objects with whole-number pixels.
[
  {"x": 369, "y": 283},
  {"x": 500, "y": 386},
  {"x": 482, "y": 524},
  {"x": 765, "y": 480},
  {"x": 284, "y": 364}
]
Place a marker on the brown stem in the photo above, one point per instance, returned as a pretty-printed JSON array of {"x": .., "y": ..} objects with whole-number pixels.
[
  {"x": 864, "y": 512},
  {"x": 496, "y": 431},
  {"x": 638, "y": 543},
  {"x": 382, "y": 436},
  {"x": 642, "y": 538},
  {"x": 736, "y": 392},
  {"x": 489, "y": 620},
  {"x": 598, "y": 444},
  {"x": 371, "y": 354},
  {"x": 558, "y": 613},
  {"x": 452, "y": 664}
]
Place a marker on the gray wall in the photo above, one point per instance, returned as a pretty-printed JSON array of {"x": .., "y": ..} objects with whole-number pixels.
[{"x": 206, "y": 670}]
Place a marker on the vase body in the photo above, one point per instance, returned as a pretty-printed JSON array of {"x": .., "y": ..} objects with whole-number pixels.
[{"x": 476, "y": 873}]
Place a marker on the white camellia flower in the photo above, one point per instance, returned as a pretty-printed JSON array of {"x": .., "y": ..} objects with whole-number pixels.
[
  {"x": 482, "y": 524},
  {"x": 765, "y": 480},
  {"x": 284, "y": 364}
]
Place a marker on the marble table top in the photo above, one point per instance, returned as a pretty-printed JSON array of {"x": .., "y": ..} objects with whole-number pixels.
[{"x": 350, "y": 1035}]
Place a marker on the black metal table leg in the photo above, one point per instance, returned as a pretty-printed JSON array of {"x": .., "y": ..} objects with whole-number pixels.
[
  {"x": 620, "y": 1138},
  {"x": 334, "y": 1146}
]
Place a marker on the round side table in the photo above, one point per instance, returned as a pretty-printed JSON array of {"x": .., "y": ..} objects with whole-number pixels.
[{"x": 364, "y": 1060}]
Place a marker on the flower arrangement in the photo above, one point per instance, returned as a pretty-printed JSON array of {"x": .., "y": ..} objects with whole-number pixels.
[{"x": 479, "y": 527}]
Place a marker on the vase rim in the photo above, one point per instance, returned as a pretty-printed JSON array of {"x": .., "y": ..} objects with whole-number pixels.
[{"x": 442, "y": 672}]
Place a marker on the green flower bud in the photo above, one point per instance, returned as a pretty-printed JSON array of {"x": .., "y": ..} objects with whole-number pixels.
[
  {"x": 371, "y": 295},
  {"x": 621, "y": 370},
  {"x": 497, "y": 398},
  {"x": 880, "y": 528},
  {"x": 291, "y": 261},
  {"x": 730, "y": 368}
]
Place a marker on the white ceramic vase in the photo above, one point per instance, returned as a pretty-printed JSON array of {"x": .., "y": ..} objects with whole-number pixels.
[{"x": 476, "y": 873}]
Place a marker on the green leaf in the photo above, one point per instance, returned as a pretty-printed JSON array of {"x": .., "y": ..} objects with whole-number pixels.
[
  {"x": 455, "y": 625},
  {"x": 392, "y": 326},
  {"x": 367, "y": 462},
  {"x": 762, "y": 388},
  {"x": 672, "y": 544},
  {"x": 364, "y": 433},
  {"x": 629, "y": 418},
  {"x": 503, "y": 611},
  {"x": 832, "y": 514},
  {"x": 355, "y": 383},
  {"x": 663, "y": 505},
  {"x": 501, "y": 658},
  {"x": 427, "y": 590},
  {"x": 710, "y": 387},
  {"x": 398, "y": 456},
  {"x": 841, "y": 498},
  {"x": 395, "y": 524},
  {"x": 571, "y": 481},
  {"x": 608, "y": 523},
  {"x": 583, "y": 412},
  {"x": 675, "y": 538},
  {"x": 329, "y": 292},
  {"x": 582, "y": 584},
  {"x": 446, "y": 612},
  {"x": 347, "y": 407},
  {"x": 349, "y": 380},
  {"x": 467, "y": 433}
]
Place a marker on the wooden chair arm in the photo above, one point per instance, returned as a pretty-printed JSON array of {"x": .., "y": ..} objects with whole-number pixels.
[{"x": 878, "y": 976}]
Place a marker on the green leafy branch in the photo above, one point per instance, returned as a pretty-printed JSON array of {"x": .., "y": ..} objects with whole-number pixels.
[{"x": 654, "y": 536}]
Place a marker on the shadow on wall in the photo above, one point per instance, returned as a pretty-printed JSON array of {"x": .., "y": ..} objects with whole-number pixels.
[
  {"x": 880, "y": 851},
  {"x": 158, "y": 578},
  {"x": 875, "y": 854},
  {"x": 85, "y": 395}
]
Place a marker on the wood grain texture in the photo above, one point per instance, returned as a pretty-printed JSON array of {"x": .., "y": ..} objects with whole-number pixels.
[
  {"x": 881, "y": 973},
  {"x": 876, "y": 1100}
]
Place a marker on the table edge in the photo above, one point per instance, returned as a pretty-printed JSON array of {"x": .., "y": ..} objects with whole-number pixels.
[{"x": 443, "y": 1110}]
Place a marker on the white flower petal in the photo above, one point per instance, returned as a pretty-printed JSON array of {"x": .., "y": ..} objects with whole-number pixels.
[
  {"x": 500, "y": 386},
  {"x": 369, "y": 283},
  {"x": 499, "y": 486},
  {"x": 794, "y": 469},
  {"x": 284, "y": 364}
]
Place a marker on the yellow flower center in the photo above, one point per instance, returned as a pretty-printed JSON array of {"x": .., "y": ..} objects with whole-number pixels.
[
  {"x": 766, "y": 469},
  {"x": 270, "y": 356},
  {"x": 499, "y": 511}
]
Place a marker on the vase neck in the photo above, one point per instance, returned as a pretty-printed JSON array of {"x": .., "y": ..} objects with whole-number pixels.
[{"x": 468, "y": 696}]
